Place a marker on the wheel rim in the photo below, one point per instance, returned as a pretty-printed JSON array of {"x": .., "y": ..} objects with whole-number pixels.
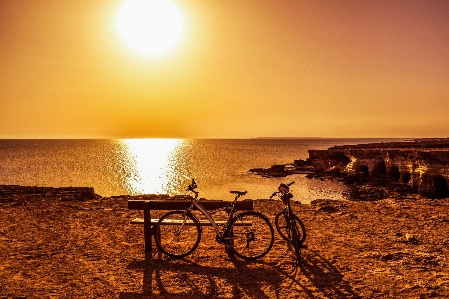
[
  {"x": 178, "y": 240},
  {"x": 284, "y": 230},
  {"x": 252, "y": 242}
]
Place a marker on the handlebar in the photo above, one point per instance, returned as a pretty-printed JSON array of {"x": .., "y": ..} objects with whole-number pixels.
[
  {"x": 283, "y": 188},
  {"x": 192, "y": 188},
  {"x": 239, "y": 193}
]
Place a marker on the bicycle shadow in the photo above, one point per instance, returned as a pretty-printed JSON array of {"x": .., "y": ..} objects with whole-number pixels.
[{"x": 314, "y": 278}]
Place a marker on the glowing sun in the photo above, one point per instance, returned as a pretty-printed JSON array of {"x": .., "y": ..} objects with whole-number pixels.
[{"x": 151, "y": 27}]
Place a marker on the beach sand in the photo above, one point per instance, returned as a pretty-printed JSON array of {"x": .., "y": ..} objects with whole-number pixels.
[{"x": 53, "y": 248}]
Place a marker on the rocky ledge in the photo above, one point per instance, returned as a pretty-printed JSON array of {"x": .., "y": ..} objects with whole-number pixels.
[
  {"x": 378, "y": 170},
  {"x": 17, "y": 193}
]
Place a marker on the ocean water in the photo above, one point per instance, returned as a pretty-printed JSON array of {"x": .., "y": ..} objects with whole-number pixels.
[{"x": 166, "y": 166}]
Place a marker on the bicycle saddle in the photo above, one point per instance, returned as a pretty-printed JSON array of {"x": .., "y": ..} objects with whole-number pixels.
[{"x": 239, "y": 192}]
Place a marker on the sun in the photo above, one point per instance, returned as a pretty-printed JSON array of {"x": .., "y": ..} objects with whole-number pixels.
[{"x": 150, "y": 27}]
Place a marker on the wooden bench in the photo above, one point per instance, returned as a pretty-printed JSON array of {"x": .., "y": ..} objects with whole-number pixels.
[{"x": 158, "y": 205}]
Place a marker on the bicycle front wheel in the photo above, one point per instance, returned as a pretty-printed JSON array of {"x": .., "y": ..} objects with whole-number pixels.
[
  {"x": 284, "y": 227},
  {"x": 177, "y": 234},
  {"x": 252, "y": 235},
  {"x": 295, "y": 240}
]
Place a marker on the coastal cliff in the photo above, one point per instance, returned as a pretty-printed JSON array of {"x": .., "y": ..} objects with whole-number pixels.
[{"x": 415, "y": 167}]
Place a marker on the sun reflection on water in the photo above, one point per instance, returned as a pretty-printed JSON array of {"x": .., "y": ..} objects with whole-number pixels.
[{"x": 152, "y": 165}]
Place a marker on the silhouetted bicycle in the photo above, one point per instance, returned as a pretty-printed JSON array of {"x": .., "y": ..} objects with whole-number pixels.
[
  {"x": 288, "y": 225},
  {"x": 249, "y": 234}
]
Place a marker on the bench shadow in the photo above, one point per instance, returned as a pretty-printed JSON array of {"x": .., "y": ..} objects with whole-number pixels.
[
  {"x": 314, "y": 277},
  {"x": 193, "y": 280}
]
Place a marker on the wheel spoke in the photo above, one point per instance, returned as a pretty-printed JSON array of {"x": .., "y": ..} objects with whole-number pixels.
[
  {"x": 285, "y": 230},
  {"x": 253, "y": 236},
  {"x": 177, "y": 234}
]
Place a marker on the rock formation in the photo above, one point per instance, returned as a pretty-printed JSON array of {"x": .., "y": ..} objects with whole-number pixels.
[
  {"x": 11, "y": 193},
  {"x": 419, "y": 166}
]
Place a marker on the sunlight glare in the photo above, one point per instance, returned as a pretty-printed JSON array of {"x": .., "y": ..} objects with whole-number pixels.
[
  {"x": 154, "y": 161},
  {"x": 151, "y": 27}
]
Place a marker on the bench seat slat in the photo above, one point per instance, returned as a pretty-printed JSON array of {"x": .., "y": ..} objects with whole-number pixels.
[
  {"x": 189, "y": 222},
  {"x": 181, "y": 205}
]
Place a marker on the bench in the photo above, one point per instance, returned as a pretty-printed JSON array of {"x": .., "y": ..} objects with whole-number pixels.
[{"x": 158, "y": 205}]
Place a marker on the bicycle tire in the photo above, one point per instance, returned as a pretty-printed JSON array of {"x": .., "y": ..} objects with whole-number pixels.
[
  {"x": 177, "y": 234},
  {"x": 295, "y": 241},
  {"x": 253, "y": 241},
  {"x": 283, "y": 227}
]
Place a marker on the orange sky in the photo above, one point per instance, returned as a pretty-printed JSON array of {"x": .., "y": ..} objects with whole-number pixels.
[{"x": 320, "y": 68}]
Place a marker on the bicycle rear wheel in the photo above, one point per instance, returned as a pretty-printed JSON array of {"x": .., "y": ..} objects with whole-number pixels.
[
  {"x": 284, "y": 228},
  {"x": 177, "y": 234},
  {"x": 252, "y": 235}
]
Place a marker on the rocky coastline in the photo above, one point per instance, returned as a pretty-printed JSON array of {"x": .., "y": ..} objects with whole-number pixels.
[
  {"x": 378, "y": 170},
  {"x": 17, "y": 193}
]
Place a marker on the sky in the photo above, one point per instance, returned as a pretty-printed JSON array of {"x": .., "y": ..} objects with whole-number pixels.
[{"x": 235, "y": 69}]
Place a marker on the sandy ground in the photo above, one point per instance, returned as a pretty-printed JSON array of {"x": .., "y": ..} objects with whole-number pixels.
[{"x": 50, "y": 248}]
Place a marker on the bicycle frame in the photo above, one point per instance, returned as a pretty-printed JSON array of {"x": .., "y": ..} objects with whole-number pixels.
[
  {"x": 196, "y": 204},
  {"x": 288, "y": 211},
  {"x": 209, "y": 217}
]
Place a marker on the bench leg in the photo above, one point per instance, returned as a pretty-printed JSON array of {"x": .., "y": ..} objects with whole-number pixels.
[{"x": 147, "y": 231}]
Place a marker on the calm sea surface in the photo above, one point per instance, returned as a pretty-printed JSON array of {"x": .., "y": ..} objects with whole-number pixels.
[{"x": 165, "y": 166}]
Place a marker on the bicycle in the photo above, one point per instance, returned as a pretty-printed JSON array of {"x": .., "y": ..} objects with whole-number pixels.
[
  {"x": 249, "y": 234},
  {"x": 288, "y": 225}
]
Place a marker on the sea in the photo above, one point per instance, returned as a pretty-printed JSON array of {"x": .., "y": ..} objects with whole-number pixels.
[{"x": 166, "y": 166}]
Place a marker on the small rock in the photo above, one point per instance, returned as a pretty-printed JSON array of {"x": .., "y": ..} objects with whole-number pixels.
[
  {"x": 411, "y": 238},
  {"x": 328, "y": 209}
]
